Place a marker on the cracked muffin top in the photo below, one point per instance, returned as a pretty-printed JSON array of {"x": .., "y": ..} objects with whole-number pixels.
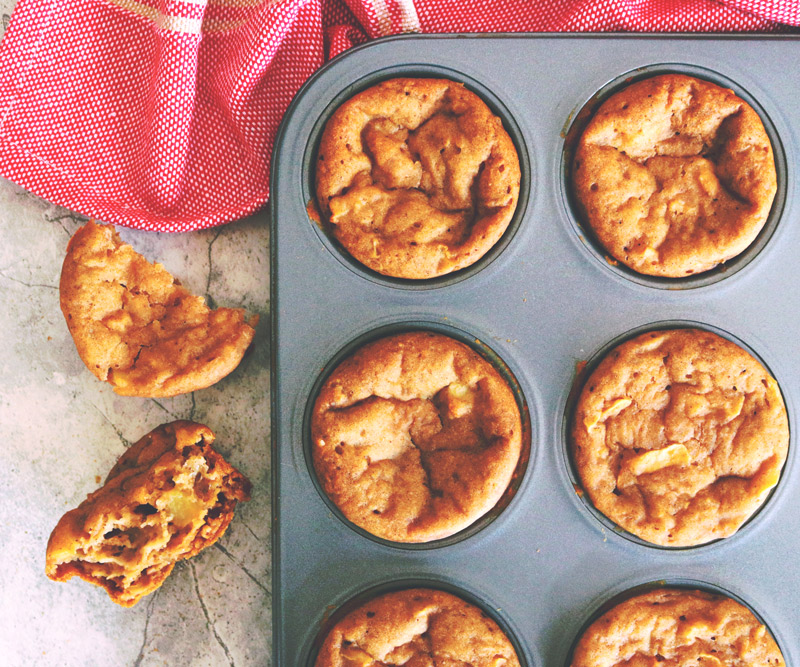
[
  {"x": 678, "y": 436},
  {"x": 416, "y": 178},
  {"x": 168, "y": 497},
  {"x": 136, "y": 328},
  {"x": 675, "y": 175},
  {"x": 419, "y": 626},
  {"x": 677, "y": 627},
  {"x": 415, "y": 437}
]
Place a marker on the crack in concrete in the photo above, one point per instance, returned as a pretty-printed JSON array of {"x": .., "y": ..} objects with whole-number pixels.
[
  {"x": 22, "y": 282},
  {"x": 248, "y": 528},
  {"x": 209, "y": 299},
  {"x": 122, "y": 438},
  {"x": 169, "y": 412},
  {"x": 27, "y": 194},
  {"x": 208, "y": 617},
  {"x": 150, "y": 604},
  {"x": 241, "y": 566},
  {"x": 59, "y": 218}
]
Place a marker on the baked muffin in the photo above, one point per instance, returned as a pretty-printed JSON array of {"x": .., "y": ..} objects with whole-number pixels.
[
  {"x": 168, "y": 497},
  {"x": 679, "y": 435},
  {"x": 672, "y": 627},
  {"x": 136, "y": 328},
  {"x": 416, "y": 178},
  {"x": 415, "y": 437},
  {"x": 674, "y": 175},
  {"x": 419, "y": 626}
]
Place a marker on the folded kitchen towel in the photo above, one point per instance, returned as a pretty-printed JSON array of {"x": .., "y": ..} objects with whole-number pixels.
[{"x": 161, "y": 114}]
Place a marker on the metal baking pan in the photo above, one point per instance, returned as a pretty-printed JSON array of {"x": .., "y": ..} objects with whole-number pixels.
[{"x": 544, "y": 301}]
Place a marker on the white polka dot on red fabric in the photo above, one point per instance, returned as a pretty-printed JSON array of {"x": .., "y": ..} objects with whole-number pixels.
[{"x": 166, "y": 121}]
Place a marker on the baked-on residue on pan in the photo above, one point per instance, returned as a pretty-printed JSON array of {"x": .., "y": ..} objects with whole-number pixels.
[
  {"x": 416, "y": 178},
  {"x": 673, "y": 627},
  {"x": 679, "y": 435},
  {"x": 419, "y": 626},
  {"x": 415, "y": 437},
  {"x": 674, "y": 175}
]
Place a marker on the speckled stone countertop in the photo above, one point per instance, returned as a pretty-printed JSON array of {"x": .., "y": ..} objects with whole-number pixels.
[{"x": 62, "y": 430}]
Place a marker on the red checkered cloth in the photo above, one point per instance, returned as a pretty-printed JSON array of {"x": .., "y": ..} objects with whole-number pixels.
[{"x": 161, "y": 114}]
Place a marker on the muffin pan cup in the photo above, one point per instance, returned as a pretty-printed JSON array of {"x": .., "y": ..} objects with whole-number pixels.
[
  {"x": 544, "y": 304},
  {"x": 488, "y": 354},
  {"x": 632, "y": 589},
  {"x": 310, "y": 157},
  {"x": 366, "y": 593},
  {"x": 582, "y": 376},
  {"x": 594, "y": 247}
]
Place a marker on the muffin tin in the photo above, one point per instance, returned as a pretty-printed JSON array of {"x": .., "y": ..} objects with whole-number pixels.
[{"x": 542, "y": 302}]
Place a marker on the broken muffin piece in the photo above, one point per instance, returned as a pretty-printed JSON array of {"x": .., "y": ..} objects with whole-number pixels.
[
  {"x": 168, "y": 497},
  {"x": 136, "y": 328}
]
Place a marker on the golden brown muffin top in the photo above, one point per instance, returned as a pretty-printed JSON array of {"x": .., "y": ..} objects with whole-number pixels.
[
  {"x": 415, "y": 437},
  {"x": 421, "y": 627},
  {"x": 136, "y": 328},
  {"x": 674, "y": 628},
  {"x": 417, "y": 177},
  {"x": 675, "y": 175},
  {"x": 679, "y": 435},
  {"x": 168, "y": 497}
]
